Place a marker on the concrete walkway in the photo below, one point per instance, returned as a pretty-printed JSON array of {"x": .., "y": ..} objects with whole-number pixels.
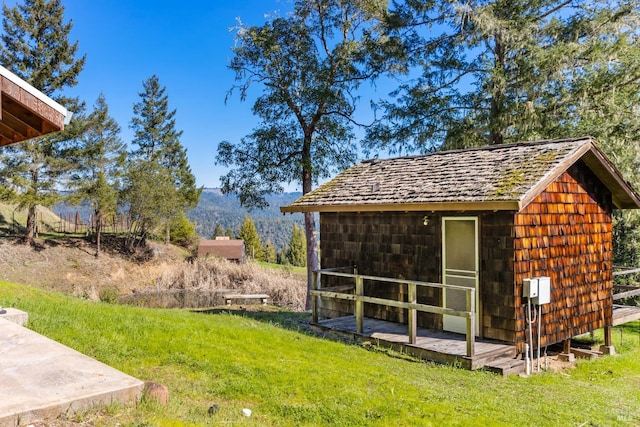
[{"x": 41, "y": 379}]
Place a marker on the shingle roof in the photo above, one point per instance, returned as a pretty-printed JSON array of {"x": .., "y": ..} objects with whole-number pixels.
[{"x": 497, "y": 177}]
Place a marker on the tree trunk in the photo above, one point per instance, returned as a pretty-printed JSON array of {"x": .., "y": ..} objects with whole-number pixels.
[
  {"x": 167, "y": 234},
  {"x": 98, "y": 231},
  {"x": 497, "y": 111},
  {"x": 31, "y": 225},
  {"x": 309, "y": 220}
]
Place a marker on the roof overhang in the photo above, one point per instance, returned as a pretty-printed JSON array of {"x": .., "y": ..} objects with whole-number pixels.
[
  {"x": 26, "y": 112},
  {"x": 623, "y": 195},
  {"x": 409, "y": 207}
]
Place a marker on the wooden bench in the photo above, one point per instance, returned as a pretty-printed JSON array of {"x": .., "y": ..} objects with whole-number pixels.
[{"x": 228, "y": 298}]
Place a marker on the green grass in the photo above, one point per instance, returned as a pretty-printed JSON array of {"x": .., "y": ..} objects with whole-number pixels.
[
  {"x": 289, "y": 378},
  {"x": 291, "y": 268}
]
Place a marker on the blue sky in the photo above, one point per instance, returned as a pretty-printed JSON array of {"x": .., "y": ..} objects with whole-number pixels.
[{"x": 188, "y": 45}]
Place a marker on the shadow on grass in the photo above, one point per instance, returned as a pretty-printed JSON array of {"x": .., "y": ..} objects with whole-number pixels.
[{"x": 291, "y": 320}]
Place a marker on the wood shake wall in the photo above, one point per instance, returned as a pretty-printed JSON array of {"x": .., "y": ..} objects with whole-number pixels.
[
  {"x": 497, "y": 303},
  {"x": 566, "y": 233},
  {"x": 387, "y": 244}
]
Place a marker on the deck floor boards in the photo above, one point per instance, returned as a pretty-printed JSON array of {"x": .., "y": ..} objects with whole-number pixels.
[
  {"x": 445, "y": 343},
  {"x": 624, "y": 314}
]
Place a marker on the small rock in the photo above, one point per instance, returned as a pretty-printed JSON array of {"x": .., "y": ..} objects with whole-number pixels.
[
  {"x": 213, "y": 409},
  {"x": 155, "y": 391},
  {"x": 246, "y": 412}
]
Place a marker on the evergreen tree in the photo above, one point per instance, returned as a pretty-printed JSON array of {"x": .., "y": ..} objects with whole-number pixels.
[
  {"x": 35, "y": 46},
  {"x": 146, "y": 189},
  {"x": 100, "y": 161},
  {"x": 270, "y": 254},
  {"x": 252, "y": 242},
  {"x": 218, "y": 231},
  {"x": 297, "y": 250},
  {"x": 229, "y": 233},
  {"x": 500, "y": 71},
  {"x": 160, "y": 152}
]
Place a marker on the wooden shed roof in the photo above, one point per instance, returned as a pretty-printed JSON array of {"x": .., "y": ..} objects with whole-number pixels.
[
  {"x": 26, "y": 112},
  {"x": 229, "y": 249},
  {"x": 497, "y": 177}
]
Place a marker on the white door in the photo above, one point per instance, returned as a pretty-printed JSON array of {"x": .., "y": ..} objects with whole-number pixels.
[{"x": 459, "y": 267}]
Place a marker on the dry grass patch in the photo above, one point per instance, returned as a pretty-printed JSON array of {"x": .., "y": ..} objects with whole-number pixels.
[{"x": 210, "y": 274}]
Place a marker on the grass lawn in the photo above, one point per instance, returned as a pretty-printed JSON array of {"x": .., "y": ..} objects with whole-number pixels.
[
  {"x": 301, "y": 271},
  {"x": 261, "y": 361}
]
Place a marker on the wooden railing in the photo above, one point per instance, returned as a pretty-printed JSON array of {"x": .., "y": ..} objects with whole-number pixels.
[
  {"x": 360, "y": 298},
  {"x": 625, "y": 291}
]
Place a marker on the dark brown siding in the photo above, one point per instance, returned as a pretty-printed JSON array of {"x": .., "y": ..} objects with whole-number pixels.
[
  {"x": 566, "y": 233},
  {"x": 497, "y": 305},
  {"x": 395, "y": 245}
]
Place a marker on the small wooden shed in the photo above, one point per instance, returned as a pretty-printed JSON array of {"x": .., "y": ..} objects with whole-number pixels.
[
  {"x": 229, "y": 249},
  {"x": 486, "y": 219}
]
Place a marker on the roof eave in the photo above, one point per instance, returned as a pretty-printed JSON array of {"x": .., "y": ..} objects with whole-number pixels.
[
  {"x": 623, "y": 195},
  {"x": 509, "y": 205}
]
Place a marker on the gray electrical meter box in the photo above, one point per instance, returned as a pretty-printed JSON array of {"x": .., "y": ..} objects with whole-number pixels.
[
  {"x": 544, "y": 291},
  {"x": 530, "y": 288}
]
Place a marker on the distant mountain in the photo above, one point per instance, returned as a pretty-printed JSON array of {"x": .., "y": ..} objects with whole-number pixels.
[{"x": 215, "y": 207}]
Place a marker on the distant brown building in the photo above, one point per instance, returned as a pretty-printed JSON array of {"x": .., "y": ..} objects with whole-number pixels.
[
  {"x": 231, "y": 250},
  {"x": 485, "y": 218}
]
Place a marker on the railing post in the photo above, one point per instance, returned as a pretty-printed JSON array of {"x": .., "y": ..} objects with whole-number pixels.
[
  {"x": 471, "y": 330},
  {"x": 359, "y": 304},
  {"x": 412, "y": 313},
  {"x": 314, "y": 298}
]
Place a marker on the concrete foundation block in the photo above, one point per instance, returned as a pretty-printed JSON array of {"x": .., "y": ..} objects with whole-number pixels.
[
  {"x": 14, "y": 315},
  {"x": 608, "y": 349},
  {"x": 567, "y": 357}
]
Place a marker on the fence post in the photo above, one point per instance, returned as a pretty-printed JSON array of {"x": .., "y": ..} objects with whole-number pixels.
[
  {"x": 359, "y": 304},
  {"x": 412, "y": 313},
  {"x": 471, "y": 330},
  {"x": 314, "y": 298}
]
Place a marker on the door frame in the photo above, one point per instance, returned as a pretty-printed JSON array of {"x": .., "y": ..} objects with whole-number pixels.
[{"x": 454, "y": 323}]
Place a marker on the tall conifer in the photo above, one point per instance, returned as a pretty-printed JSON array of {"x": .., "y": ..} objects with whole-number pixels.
[
  {"x": 159, "y": 157},
  {"x": 35, "y": 46},
  {"x": 100, "y": 163}
]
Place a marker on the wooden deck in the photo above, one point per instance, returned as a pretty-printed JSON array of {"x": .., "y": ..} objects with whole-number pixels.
[
  {"x": 624, "y": 314},
  {"x": 437, "y": 346}
]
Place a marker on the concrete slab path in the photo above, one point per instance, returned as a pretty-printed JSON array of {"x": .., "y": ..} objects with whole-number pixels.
[{"x": 41, "y": 379}]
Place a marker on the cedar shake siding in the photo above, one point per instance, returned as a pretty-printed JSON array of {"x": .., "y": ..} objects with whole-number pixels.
[{"x": 566, "y": 234}]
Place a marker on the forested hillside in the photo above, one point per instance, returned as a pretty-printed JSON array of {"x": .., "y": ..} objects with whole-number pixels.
[{"x": 215, "y": 207}]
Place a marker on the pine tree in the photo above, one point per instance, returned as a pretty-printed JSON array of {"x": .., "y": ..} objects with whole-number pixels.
[
  {"x": 270, "y": 253},
  {"x": 35, "y": 46},
  {"x": 252, "y": 242},
  {"x": 100, "y": 161},
  {"x": 218, "y": 231},
  {"x": 160, "y": 152},
  {"x": 297, "y": 250},
  {"x": 501, "y": 71}
]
